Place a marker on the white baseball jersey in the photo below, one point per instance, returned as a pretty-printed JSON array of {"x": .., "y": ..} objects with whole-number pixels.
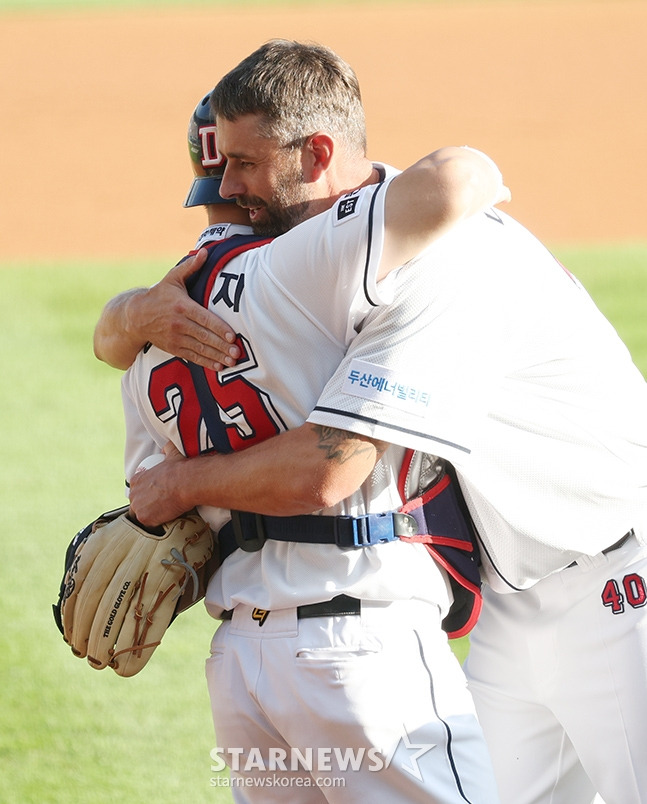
[
  {"x": 494, "y": 357},
  {"x": 295, "y": 311}
]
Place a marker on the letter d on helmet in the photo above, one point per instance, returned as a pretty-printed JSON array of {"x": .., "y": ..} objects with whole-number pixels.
[{"x": 208, "y": 164}]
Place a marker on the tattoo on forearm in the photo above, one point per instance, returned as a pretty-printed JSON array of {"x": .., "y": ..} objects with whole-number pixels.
[{"x": 341, "y": 446}]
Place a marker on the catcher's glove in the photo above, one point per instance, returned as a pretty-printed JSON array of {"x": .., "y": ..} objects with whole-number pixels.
[{"x": 123, "y": 586}]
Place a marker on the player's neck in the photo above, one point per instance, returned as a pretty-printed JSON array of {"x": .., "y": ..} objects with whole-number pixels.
[{"x": 226, "y": 213}]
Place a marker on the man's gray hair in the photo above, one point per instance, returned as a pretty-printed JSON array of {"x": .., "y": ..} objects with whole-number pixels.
[{"x": 298, "y": 89}]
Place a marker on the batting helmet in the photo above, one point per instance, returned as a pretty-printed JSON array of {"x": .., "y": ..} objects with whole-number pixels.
[{"x": 208, "y": 164}]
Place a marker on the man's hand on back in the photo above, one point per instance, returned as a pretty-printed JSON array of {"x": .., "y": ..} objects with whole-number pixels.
[{"x": 167, "y": 317}]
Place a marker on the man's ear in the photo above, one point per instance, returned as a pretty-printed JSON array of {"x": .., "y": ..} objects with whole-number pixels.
[{"x": 318, "y": 152}]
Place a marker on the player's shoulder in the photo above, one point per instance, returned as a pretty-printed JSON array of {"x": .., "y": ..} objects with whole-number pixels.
[
  {"x": 219, "y": 254},
  {"x": 236, "y": 244},
  {"x": 352, "y": 210},
  {"x": 362, "y": 200},
  {"x": 490, "y": 229}
]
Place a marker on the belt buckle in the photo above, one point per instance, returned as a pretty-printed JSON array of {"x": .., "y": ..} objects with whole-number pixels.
[
  {"x": 243, "y": 524},
  {"x": 363, "y": 531}
]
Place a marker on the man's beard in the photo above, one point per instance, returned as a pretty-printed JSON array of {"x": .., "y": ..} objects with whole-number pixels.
[{"x": 288, "y": 206}]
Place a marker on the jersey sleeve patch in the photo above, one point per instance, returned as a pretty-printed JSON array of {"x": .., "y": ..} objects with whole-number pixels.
[
  {"x": 347, "y": 207},
  {"x": 387, "y": 386}
]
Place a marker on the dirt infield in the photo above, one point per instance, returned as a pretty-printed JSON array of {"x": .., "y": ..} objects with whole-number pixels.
[{"x": 95, "y": 107}]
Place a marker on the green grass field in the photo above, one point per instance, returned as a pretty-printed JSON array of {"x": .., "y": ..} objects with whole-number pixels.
[{"x": 69, "y": 733}]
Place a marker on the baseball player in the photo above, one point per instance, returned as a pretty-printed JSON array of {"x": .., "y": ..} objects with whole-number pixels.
[
  {"x": 531, "y": 395},
  {"x": 297, "y": 602},
  {"x": 542, "y": 415}
]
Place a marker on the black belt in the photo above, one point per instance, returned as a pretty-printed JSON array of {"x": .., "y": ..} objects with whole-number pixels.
[
  {"x": 615, "y": 546},
  {"x": 339, "y": 606}
]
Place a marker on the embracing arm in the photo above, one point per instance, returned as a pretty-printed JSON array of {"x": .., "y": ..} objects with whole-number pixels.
[
  {"x": 422, "y": 203},
  {"x": 297, "y": 472},
  {"x": 437, "y": 192},
  {"x": 166, "y": 316}
]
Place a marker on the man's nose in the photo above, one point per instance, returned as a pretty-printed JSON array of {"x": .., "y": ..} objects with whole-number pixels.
[{"x": 231, "y": 186}]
